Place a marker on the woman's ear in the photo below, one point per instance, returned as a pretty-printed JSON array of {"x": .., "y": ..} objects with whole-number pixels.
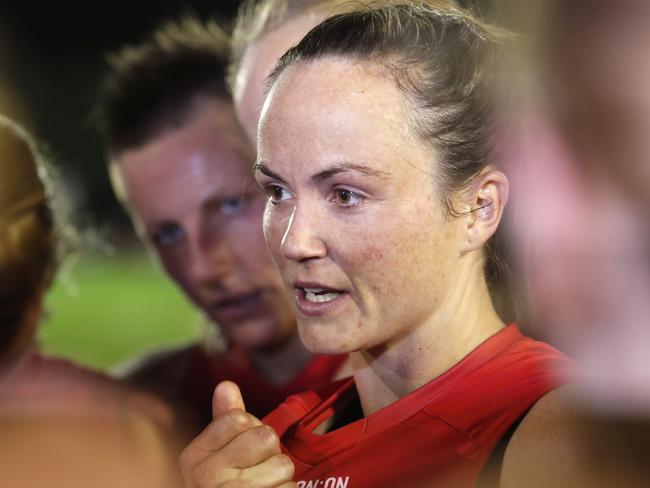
[{"x": 485, "y": 200}]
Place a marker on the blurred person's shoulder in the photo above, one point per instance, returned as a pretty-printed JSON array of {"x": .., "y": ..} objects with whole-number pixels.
[
  {"x": 551, "y": 446},
  {"x": 85, "y": 450},
  {"x": 39, "y": 383},
  {"x": 66, "y": 425}
]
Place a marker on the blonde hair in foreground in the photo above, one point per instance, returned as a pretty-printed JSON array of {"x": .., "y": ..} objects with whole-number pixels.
[
  {"x": 29, "y": 244},
  {"x": 258, "y": 17}
]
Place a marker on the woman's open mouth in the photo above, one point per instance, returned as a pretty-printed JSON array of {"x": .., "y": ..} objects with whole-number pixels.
[
  {"x": 320, "y": 295},
  {"x": 312, "y": 300}
]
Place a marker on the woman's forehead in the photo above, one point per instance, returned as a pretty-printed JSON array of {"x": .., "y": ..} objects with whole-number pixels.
[
  {"x": 319, "y": 90},
  {"x": 331, "y": 111}
]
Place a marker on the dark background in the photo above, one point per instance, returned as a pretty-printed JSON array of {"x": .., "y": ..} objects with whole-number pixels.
[{"x": 52, "y": 59}]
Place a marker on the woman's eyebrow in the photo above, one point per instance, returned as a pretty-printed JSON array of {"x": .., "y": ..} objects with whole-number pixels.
[
  {"x": 258, "y": 166},
  {"x": 345, "y": 167},
  {"x": 327, "y": 173}
]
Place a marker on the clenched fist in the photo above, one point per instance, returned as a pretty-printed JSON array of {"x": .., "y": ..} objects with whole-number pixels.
[{"x": 236, "y": 449}]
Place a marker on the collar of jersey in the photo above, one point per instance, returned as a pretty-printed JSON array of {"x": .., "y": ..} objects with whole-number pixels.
[{"x": 314, "y": 449}]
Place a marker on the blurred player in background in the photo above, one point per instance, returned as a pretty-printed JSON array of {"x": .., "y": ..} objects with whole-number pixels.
[
  {"x": 182, "y": 166},
  {"x": 581, "y": 233}
]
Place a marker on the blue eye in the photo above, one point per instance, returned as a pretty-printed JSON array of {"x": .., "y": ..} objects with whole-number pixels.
[
  {"x": 231, "y": 206},
  {"x": 347, "y": 198},
  {"x": 167, "y": 234},
  {"x": 277, "y": 194}
]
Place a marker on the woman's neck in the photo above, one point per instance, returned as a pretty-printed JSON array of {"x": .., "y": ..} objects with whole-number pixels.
[{"x": 387, "y": 373}]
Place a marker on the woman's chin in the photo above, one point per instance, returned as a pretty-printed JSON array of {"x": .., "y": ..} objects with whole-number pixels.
[{"x": 324, "y": 343}]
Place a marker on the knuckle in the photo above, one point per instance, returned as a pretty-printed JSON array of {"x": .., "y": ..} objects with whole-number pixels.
[
  {"x": 253, "y": 420},
  {"x": 206, "y": 474},
  {"x": 285, "y": 464},
  {"x": 187, "y": 457},
  {"x": 198, "y": 475},
  {"x": 267, "y": 436},
  {"x": 238, "y": 419}
]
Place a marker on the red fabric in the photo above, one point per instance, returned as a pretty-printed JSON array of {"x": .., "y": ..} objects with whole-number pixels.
[
  {"x": 260, "y": 396},
  {"x": 439, "y": 435}
]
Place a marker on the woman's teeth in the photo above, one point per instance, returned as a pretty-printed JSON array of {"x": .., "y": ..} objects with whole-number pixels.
[{"x": 318, "y": 295}]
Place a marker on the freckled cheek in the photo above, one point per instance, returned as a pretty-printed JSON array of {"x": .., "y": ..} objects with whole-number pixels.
[
  {"x": 391, "y": 263},
  {"x": 372, "y": 260}
]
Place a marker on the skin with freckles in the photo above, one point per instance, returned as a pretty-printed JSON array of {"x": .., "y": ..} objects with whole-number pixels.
[
  {"x": 206, "y": 234},
  {"x": 355, "y": 210}
]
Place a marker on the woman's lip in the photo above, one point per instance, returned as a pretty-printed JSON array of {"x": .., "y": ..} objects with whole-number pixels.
[
  {"x": 314, "y": 285},
  {"x": 315, "y": 309}
]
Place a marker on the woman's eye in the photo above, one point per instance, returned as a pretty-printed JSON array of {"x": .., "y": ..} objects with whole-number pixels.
[
  {"x": 231, "y": 206},
  {"x": 276, "y": 193},
  {"x": 347, "y": 198},
  {"x": 167, "y": 235}
]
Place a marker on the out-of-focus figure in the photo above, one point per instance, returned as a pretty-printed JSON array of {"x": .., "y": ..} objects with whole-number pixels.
[
  {"x": 582, "y": 194},
  {"x": 60, "y": 425},
  {"x": 182, "y": 166},
  {"x": 579, "y": 160}
]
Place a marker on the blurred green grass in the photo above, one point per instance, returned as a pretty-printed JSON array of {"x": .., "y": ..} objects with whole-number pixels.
[{"x": 108, "y": 309}]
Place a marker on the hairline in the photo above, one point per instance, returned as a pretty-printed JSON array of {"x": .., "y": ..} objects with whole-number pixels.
[{"x": 162, "y": 124}]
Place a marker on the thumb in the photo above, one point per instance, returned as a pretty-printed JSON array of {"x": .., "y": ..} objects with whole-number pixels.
[{"x": 226, "y": 397}]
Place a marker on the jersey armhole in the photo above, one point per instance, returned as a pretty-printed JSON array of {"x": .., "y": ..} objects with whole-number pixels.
[{"x": 490, "y": 476}]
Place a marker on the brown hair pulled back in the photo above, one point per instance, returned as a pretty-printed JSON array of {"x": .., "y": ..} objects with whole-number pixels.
[{"x": 255, "y": 18}]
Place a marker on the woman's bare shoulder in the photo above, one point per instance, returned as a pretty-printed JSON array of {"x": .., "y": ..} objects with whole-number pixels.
[
  {"x": 559, "y": 445},
  {"x": 550, "y": 447}
]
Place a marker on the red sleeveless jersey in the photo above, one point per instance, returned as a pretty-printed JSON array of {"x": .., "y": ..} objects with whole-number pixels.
[{"x": 441, "y": 434}]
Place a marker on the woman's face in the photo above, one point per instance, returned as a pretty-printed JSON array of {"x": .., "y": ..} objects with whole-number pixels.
[{"x": 353, "y": 220}]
